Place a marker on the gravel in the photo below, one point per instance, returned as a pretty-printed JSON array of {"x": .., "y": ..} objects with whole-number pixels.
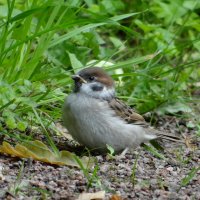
[{"x": 152, "y": 178}]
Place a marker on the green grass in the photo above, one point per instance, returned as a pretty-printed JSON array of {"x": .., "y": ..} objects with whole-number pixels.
[
  {"x": 154, "y": 45},
  {"x": 42, "y": 43}
]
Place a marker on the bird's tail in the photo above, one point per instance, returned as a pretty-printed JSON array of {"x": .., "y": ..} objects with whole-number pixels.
[
  {"x": 166, "y": 136},
  {"x": 170, "y": 137}
]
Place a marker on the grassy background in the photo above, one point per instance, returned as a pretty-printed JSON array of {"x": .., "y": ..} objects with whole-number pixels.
[{"x": 154, "y": 45}]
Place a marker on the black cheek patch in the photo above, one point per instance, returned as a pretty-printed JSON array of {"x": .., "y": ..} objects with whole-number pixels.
[{"x": 97, "y": 88}]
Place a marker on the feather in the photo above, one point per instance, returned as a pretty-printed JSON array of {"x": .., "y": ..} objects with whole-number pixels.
[
  {"x": 129, "y": 115},
  {"x": 125, "y": 112}
]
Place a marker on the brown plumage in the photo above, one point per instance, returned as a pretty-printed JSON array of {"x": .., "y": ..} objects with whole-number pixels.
[
  {"x": 95, "y": 117},
  {"x": 98, "y": 73},
  {"x": 128, "y": 114},
  {"x": 125, "y": 112}
]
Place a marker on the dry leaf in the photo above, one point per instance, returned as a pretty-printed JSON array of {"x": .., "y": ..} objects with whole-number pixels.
[
  {"x": 115, "y": 197},
  {"x": 39, "y": 151},
  {"x": 189, "y": 142},
  {"x": 92, "y": 196}
]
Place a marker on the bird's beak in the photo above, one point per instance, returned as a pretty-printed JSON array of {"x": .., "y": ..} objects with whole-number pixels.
[{"x": 78, "y": 78}]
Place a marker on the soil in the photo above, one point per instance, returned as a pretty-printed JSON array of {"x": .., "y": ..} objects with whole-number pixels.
[{"x": 136, "y": 175}]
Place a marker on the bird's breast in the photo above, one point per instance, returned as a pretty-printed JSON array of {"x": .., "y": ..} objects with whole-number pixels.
[{"x": 85, "y": 119}]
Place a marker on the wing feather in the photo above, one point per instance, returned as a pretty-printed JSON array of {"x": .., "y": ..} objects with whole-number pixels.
[
  {"x": 126, "y": 112},
  {"x": 131, "y": 117}
]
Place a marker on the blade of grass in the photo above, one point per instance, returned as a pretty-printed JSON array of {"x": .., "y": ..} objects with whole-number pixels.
[
  {"x": 89, "y": 26},
  {"x": 185, "y": 181},
  {"x": 154, "y": 151},
  {"x": 134, "y": 170},
  {"x": 50, "y": 141}
]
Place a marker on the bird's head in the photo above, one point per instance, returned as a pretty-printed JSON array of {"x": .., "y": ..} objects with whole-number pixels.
[{"x": 94, "y": 82}]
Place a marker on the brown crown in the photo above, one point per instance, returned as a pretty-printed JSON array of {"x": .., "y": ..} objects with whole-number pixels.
[{"x": 99, "y": 73}]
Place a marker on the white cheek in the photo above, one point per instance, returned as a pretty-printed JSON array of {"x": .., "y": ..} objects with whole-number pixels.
[
  {"x": 106, "y": 93},
  {"x": 86, "y": 88}
]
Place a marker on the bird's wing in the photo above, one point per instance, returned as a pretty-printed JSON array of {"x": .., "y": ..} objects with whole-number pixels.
[
  {"x": 126, "y": 112},
  {"x": 130, "y": 116}
]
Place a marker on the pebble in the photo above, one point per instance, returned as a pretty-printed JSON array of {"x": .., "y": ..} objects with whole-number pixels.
[
  {"x": 152, "y": 176},
  {"x": 170, "y": 169},
  {"x": 153, "y": 181}
]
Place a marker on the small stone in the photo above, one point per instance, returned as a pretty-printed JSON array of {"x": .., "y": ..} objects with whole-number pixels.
[
  {"x": 153, "y": 181},
  {"x": 53, "y": 184},
  {"x": 170, "y": 169},
  {"x": 41, "y": 184},
  {"x": 174, "y": 173}
]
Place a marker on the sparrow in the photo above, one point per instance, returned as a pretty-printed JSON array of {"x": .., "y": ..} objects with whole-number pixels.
[{"x": 95, "y": 117}]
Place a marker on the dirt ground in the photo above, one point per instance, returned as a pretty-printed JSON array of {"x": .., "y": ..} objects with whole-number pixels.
[{"x": 136, "y": 175}]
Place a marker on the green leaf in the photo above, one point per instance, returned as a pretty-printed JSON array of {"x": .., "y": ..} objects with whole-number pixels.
[
  {"x": 190, "y": 124},
  {"x": 21, "y": 126},
  {"x": 132, "y": 61},
  {"x": 25, "y": 14},
  {"x": 110, "y": 149},
  {"x": 76, "y": 64},
  {"x": 175, "y": 108},
  {"x": 11, "y": 123},
  {"x": 72, "y": 33}
]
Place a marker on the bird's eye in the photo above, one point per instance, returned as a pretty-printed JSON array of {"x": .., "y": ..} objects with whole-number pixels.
[{"x": 91, "y": 78}]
